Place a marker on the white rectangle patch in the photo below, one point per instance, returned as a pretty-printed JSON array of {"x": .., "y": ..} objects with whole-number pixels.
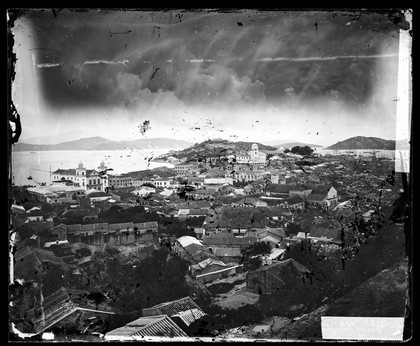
[{"x": 362, "y": 328}]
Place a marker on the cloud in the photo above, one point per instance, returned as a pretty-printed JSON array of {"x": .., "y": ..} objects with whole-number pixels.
[
  {"x": 92, "y": 62},
  {"x": 328, "y": 58},
  {"x": 218, "y": 84},
  {"x": 47, "y": 65}
]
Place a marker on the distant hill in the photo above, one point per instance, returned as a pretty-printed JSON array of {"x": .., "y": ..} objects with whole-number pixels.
[
  {"x": 361, "y": 142},
  {"x": 100, "y": 143},
  {"x": 294, "y": 144},
  {"x": 216, "y": 147},
  {"x": 289, "y": 143}
]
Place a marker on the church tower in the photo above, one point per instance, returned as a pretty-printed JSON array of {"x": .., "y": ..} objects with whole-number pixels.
[
  {"x": 80, "y": 170},
  {"x": 254, "y": 152}
]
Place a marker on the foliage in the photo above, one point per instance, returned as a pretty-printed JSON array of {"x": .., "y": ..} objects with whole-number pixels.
[
  {"x": 21, "y": 195},
  {"x": 251, "y": 255},
  {"x": 83, "y": 252},
  {"x": 158, "y": 278},
  {"x": 293, "y": 229},
  {"x": 47, "y": 208},
  {"x": 29, "y": 205},
  {"x": 304, "y": 151},
  {"x": 148, "y": 185}
]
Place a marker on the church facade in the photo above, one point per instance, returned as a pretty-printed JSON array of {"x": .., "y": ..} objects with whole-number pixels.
[{"x": 252, "y": 157}]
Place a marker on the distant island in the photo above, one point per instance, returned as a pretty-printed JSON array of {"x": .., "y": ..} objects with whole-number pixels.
[
  {"x": 290, "y": 145},
  {"x": 213, "y": 147},
  {"x": 100, "y": 143},
  {"x": 360, "y": 142}
]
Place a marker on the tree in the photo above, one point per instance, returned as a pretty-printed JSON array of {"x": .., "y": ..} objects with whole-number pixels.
[
  {"x": 293, "y": 228},
  {"x": 83, "y": 252},
  {"x": 148, "y": 185},
  {"x": 47, "y": 208},
  {"x": 252, "y": 255},
  {"x": 304, "y": 151}
]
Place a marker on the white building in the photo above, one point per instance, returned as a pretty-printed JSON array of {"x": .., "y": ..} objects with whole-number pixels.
[
  {"x": 86, "y": 178},
  {"x": 56, "y": 193},
  {"x": 253, "y": 157},
  {"x": 246, "y": 176}
]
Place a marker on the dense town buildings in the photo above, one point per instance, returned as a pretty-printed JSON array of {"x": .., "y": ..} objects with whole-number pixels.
[{"x": 208, "y": 214}]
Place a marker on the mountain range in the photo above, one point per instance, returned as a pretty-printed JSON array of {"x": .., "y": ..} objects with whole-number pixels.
[
  {"x": 100, "y": 143},
  {"x": 290, "y": 145},
  {"x": 360, "y": 142}
]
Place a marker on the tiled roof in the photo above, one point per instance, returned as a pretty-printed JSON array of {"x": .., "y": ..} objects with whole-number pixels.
[
  {"x": 227, "y": 252},
  {"x": 293, "y": 200},
  {"x": 289, "y": 263},
  {"x": 90, "y": 172},
  {"x": 99, "y": 194},
  {"x": 161, "y": 326},
  {"x": 146, "y": 225},
  {"x": 94, "y": 227},
  {"x": 187, "y": 240},
  {"x": 300, "y": 187},
  {"x": 39, "y": 255},
  {"x": 322, "y": 189},
  {"x": 70, "y": 171},
  {"x": 198, "y": 212},
  {"x": 226, "y": 240},
  {"x": 172, "y": 307},
  {"x": 59, "y": 305},
  {"x": 316, "y": 197},
  {"x": 279, "y": 188},
  {"x": 120, "y": 226},
  {"x": 189, "y": 316}
]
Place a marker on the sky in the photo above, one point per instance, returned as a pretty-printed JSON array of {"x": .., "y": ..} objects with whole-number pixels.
[{"x": 312, "y": 76}]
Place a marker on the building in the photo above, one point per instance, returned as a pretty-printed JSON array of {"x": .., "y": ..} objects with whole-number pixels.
[
  {"x": 56, "y": 193},
  {"x": 86, "y": 178},
  {"x": 247, "y": 175},
  {"x": 252, "y": 157},
  {"x": 278, "y": 190},
  {"x": 295, "y": 202},
  {"x": 183, "y": 169},
  {"x": 182, "y": 311},
  {"x": 323, "y": 196},
  {"x": 68, "y": 307},
  {"x": 35, "y": 215},
  {"x": 276, "y": 277},
  {"x": 114, "y": 234},
  {"x": 301, "y": 191},
  {"x": 291, "y": 158},
  {"x": 160, "y": 327},
  {"x": 162, "y": 182},
  {"x": 28, "y": 261},
  {"x": 111, "y": 182},
  {"x": 182, "y": 242}
]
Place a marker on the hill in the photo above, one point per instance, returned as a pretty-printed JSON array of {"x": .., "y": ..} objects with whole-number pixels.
[
  {"x": 215, "y": 147},
  {"x": 361, "y": 142},
  {"x": 383, "y": 295},
  {"x": 289, "y": 143},
  {"x": 100, "y": 143},
  {"x": 294, "y": 144}
]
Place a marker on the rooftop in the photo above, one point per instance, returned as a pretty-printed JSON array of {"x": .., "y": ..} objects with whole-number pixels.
[{"x": 161, "y": 326}]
